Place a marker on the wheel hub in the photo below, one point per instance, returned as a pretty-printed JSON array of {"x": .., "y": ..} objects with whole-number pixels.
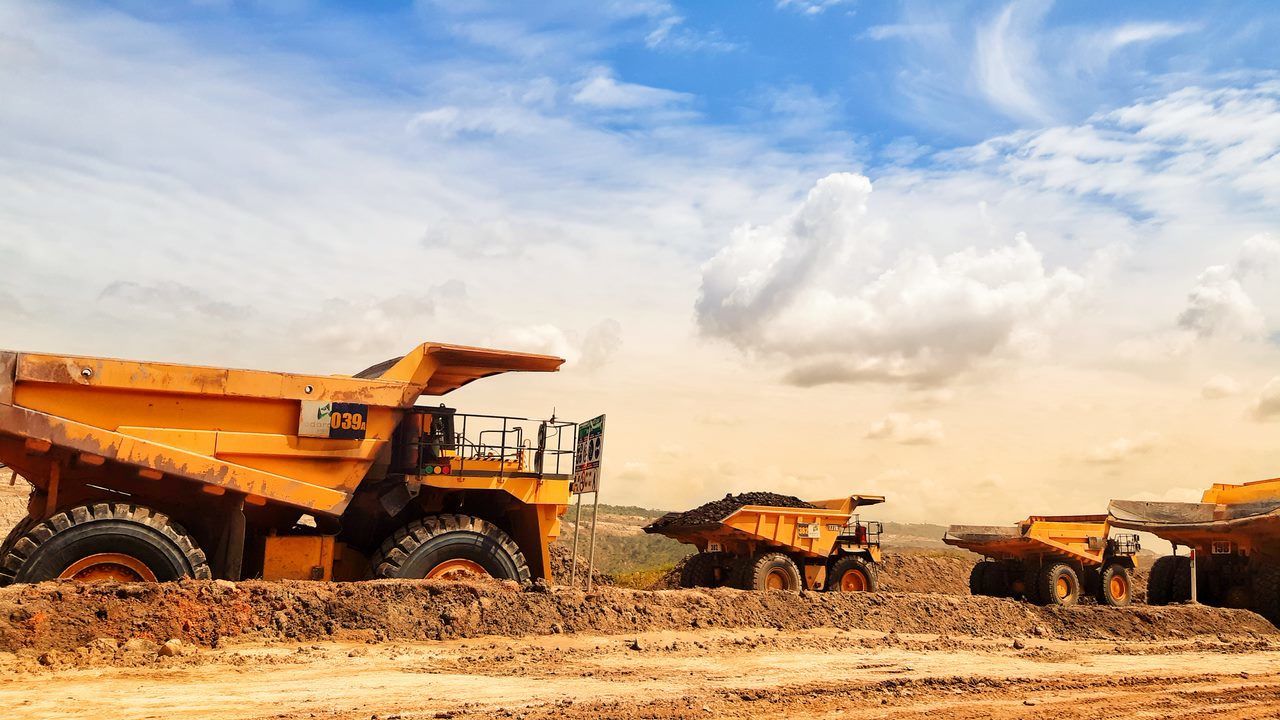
[
  {"x": 1063, "y": 588},
  {"x": 457, "y": 569},
  {"x": 776, "y": 580},
  {"x": 1119, "y": 588},
  {"x": 103, "y": 567},
  {"x": 853, "y": 581}
]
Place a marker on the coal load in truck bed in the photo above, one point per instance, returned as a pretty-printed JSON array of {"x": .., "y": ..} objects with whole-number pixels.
[{"x": 717, "y": 510}]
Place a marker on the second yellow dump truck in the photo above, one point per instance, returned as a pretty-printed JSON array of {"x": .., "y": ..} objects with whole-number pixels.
[
  {"x": 1050, "y": 559},
  {"x": 148, "y": 471},
  {"x": 1234, "y": 533},
  {"x": 763, "y": 541}
]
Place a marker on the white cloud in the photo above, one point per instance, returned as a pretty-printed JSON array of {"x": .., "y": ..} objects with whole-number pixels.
[
  {"x": 602, "y": 90},
  {"x": 903, "y": 428},
  {"x": 911, "y": 31},
  {"x": 674, "y": 34},
  {"x": 1219, "y": 306},
  {"x": 1220, "y": 386},
  {"x": 1123, "y": 449},
  {"x": 1267, "y": 406},
  {"x": 820, "y": 292},
  {"x": 600, "y": 344},
  {"x": 811, "y": 7},
  {"x": 1006, "y": 67}
]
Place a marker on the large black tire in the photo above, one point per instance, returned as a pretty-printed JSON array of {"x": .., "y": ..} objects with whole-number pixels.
[
  {"x": 1058, "y": 585},
  {"x": 995, "y": 582},
  {"x": 700, "y": 570},
  {"x": 978, "y": 577},
  {"x": 1031, "y": 583},
  {"x": 1115, "y": 587},
  {"x": 469, "y": 544},
  {"x": 772, "y": 571},
  {"x": 1265, "y": 591},
  {"x": 850, "y": 573},
  {"x": 110, "y": 540},
  {"x": 1169, "y": 580}
]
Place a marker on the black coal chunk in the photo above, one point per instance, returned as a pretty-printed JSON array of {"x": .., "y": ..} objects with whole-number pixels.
[{"x": 717, "y": 510}]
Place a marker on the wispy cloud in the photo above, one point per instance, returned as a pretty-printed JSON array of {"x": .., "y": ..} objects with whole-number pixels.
[
  {"x": 1006, "y": 64},
  {"x": 811, "y": 7}
]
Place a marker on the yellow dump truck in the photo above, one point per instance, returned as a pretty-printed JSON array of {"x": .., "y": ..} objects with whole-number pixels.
[
  {"x": 148, "y": 471},
  {"x": 775, "y": 545},
  {"x": 1050, "y": 559},
  {"x": 1234, "y": 534}
]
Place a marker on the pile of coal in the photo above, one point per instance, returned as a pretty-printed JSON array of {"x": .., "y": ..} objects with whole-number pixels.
[{"x": 717, "y": 510}]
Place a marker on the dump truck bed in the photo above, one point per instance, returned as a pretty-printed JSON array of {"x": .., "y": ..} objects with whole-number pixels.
[
  {"x": 1080, "y": 537},
  {"x": 810, "y": 532},
  {"x": 245, "y": 431},
  {"x": 1197, "y": 523}
]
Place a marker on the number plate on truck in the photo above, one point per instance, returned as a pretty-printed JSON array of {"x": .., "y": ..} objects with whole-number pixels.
[{"x": 335, "y": 421}]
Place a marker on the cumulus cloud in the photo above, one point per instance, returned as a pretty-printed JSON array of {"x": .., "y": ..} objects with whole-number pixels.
[
  {"x": 1267, "y": 406},
  {"x": 903, "y": 428},
  {"x": 820, "y": 291},
  {"x": 588, "y": 351},
  {"x": 1220, "y": 386},
  {"x": 1219, "y": 306},
  {"x": 1123, "y": 449}
]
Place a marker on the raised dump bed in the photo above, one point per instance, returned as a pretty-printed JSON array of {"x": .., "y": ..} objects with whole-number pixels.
[
  {"x": 1050, "y": 560},
  {"x": 761, "y": 541},
  {"x": 1234, "y": 534}
]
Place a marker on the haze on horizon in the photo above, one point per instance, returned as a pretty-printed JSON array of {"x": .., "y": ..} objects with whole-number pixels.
[{"x": 986, "y": 259}]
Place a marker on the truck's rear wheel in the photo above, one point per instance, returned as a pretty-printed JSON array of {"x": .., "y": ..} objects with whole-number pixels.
[
  {"x": 1265, "y": 592},
  {"x": 450, "y": 547},
  {"x": 1115, "y": 587},
  {"x": 772, "y": 571},
  {"x": 978, "y": 577},
  {"x": 105, "y": 541},
  {"x": 704, "y": 569},
  {"x": 1059, "y": 585},
  {"x": 851, "y": 573},
  {"x": 1169, "y": 580}
]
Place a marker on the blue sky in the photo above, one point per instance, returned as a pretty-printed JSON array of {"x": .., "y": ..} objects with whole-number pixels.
[
  {"x": 917, "y": 230},
  {"x": 940, "y": 74}
]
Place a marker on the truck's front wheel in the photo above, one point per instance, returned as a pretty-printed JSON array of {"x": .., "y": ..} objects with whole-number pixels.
[
  {"x": 105, "y": 541},
  {"x": 450, "y": 547}
]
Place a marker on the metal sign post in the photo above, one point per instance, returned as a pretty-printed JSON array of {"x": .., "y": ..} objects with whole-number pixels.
[{"x": 586, "y": 479}]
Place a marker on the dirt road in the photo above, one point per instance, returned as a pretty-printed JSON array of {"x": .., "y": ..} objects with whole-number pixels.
[{"x": 672, "y": 674}]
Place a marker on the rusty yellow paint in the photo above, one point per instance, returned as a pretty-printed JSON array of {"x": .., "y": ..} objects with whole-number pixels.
[{"x": 298, "y": 557}]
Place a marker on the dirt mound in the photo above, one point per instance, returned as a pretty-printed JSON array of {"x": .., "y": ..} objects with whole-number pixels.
[
  {"x": 66, "y": 616},
  {"x": 917, "y": 573},
  {"x": 562, "y": 567},
  {"x": 717, "y": 510}
]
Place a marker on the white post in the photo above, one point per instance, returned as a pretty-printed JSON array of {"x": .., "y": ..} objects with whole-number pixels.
[
  {"x": 573, "y": 563},
  {"x": 1194, "y": 596},
  {"x": 591, "y": 555}
]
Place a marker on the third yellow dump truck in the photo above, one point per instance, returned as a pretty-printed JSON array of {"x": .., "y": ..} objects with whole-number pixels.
[
  {"x": 148, "y": 471},
  {"x": 1234, "y": 533},
  {"x": 1050, "y": 559}
]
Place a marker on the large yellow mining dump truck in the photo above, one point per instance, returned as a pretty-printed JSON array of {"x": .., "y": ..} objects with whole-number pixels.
[
  {"x": 151, "y": 471},
  {"x": 1050, "y": 559},
  {"x": 1234, "y": 533},
  {"x": 762, "y": 541}
]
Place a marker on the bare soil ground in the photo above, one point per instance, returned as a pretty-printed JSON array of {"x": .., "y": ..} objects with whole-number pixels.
[
  {"x": 478, "y": 650},
  {"x": 729, "y": 673}
]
